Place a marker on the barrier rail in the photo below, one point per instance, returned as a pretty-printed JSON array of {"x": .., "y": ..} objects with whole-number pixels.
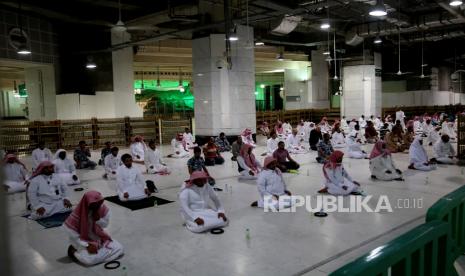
[
  {"x": 425, "y": 250},
  {"x": 451, "y": 208}
]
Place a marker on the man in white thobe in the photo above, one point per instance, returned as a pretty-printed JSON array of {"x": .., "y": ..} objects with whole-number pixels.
[
  {"x": 47, "y": 192},
  {"x": 362, "y": 122},
  {"x": 189, "y": 138},
  {"x": 153, "y": 161},
  {"x": 138, "y": 149},
  {"x": 195, "y": 198},
  {"x": 65, "y": 168},
  {"x": 443, "y": 151},
  {"x": 130, "y": 182},
  {"x": 15, "y": 174},
  {"x": 41, "y": 154},
  {"x": 400, "y": 116},
  {"x": 179, "y": 147},
  {"x": 272, "y": 143},
  {"x": 112, "y": 163},
  {"x": 294, "y": 144}
]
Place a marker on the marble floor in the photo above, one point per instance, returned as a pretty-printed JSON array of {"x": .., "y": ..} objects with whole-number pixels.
[{"x": 156, "y": 243}]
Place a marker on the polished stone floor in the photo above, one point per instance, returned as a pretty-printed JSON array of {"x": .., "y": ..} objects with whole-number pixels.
[{"x": 156, "y": 243}]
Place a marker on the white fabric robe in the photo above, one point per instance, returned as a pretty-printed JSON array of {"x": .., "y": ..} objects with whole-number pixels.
[
  {"x": 39, "y": 155},
  {"x": 344, "y": 125},
  {"x": 110, "y": 252},
  {"x": 66, "y": 170},
  {"x": 245, "y": 175},
  {"x": 248, "y": 140},
  {"x": 338, "y": 140},
  {"x": 153, "y": 161},
  {"x": 354, "y": 149},
  {"x": 15, "y": 176},
  {"x": 189, "y": 139},
  {"x": 433, "y": 137},
  {"x": 442, "y": 151},
  {"x": 377, "y": 123},
  {"x": 380, "y": 165},
  {"x": 178, "y": 149},
  {"x": 362, "y": 122},
  {"x": 194, "y": 203},
  {"x": 294, "y": 145},
  {"x": 448, "y": 128},
  {"x": 47, "y": 192},
  {"x": 131, "y": 181},
  {"x": 400, "y": 115},
  {"x": 112, "y": 164},
  {"x": 270, "y": 183},
  {"x": 287, "y": 128},
  {"x": 338, "y": 178},
  {"x": 418, "y": 156},
  {"x": 138, "y": 149},
  {"x": 271, "y": 145}
]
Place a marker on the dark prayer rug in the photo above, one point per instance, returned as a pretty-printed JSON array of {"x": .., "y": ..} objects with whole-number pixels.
[
  {"x": 138, "y": 204},
  {"x": 55, "y": 220}
]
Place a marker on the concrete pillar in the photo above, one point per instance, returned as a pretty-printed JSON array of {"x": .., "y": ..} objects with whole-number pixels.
[
  {"x": 362, "y": 90},
  {"x": 224, "y": 98},
  {"x": 296, "y": 89},
  {"x": 123, "y": 78},
  {"x": 319, "y": 97},
  {"x": 40, "y": 85}
]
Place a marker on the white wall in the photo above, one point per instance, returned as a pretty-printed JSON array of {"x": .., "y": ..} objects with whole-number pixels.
[
  {"x": 422, "y": 98},
  {"x": 75, "y": 106}
]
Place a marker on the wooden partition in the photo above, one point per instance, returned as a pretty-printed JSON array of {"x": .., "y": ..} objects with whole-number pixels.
[
  {"x": 461, "y": 138},
  {"x": 294, "y": 116},
  {"x": 411, "y": 111}
]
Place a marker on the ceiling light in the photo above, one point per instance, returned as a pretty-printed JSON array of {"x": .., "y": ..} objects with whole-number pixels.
[
  {"x": 233, "y": 38},
  {"x": 91, "y": 65},
  {"x": 262, "y": 86},
  {"x": 326, "y": 53},
  {"x": 377, "y": 40},
  {"x": 280, "y": 57},
  {"x": 181, "y": 89},
  {"x": 379, "y": 9},
  {"x": 455, "y": 3},
  {"x": 336, "y": 78},
  {"x": 325, "y": 25},
  {"x": 259, "y": 43},
  {"x": 23, "y": 51}
]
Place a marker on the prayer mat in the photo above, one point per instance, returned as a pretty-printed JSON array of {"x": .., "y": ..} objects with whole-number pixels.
[
  {"x": 55, "y": 220},
  {"x": 138, "y": 204}
]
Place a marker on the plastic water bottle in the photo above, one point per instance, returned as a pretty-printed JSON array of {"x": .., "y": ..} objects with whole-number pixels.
[
  {"x": 247, "y": 234},
  {"x": 155, "y": 203},
  {"x": 230, "y": 189},
  {"x": 226, "y": 187},
  {"x": 124, "y": 271}
]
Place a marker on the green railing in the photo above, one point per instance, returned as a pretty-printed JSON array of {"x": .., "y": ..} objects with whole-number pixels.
[
  {"x": 451, "y": 209},
  {"x": 425, "y": 250}
]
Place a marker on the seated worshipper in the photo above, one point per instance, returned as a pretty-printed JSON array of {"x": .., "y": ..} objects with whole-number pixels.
[
  {"x": 153, "y": 161},
  {"x": 448, "y": 129},
  {"x": 197, "y": 163},
  {"x": 264, "y": 129},
  {"x": 212, "y": 154},
  {"x": 354, "y": 146},
  {"x": 398, "y": 128},
  {"x": 236, "y": 148},
  {"x": 279, "y": 129},
  {"x": 130, "y": 182},
  {"x": 409, "y": 136},
  {"x": 315, "y": 137},
  {"x": 248, "y": 165},
  {"x": 325, "y": 149},
  {"x": 352, "y": 124},
  {"x": 418, "y": 157},
  {"x": 417, "y": 127},
  {"x": 383, "y": 130},
  {"x": 337, "y": 139},
  {"x": 285, "y": 161},
  {"x": 47, "y": 193},
  {"x": 434, "y": 135},
  {"x": 189, "y": 139},
  {"x": 443, "y": 151},
  {"x": 81, "y": 157},
  {"x": 377, "y": 123},
  {"x": 222, "y": 143},
  {"x": 65, "y": 168},
  {"x": 371, "y": 135},
  {"x": 105, "y": 151},
  {"x": 195, "y": 198},
  {"x": 362, "y": 122},
  {"x": 394, "y": 140},
  {"x": 324, "y": 125},
  {"x": 137, "y": 149},
  {"x": 112, "y": 163},
  {"x": 344, "y": 125},
  {"x": 287, "y": 128},
  {"x": 303, "y": 131},
  {"x": 90, "y": 244},
  {"x": 427, "y": 127},
  {"x": 400, "y": 116},
  {"x": 40, "y": 154},
  {"x": 293, "y": 143},
  {"x": 15, "y": 174},
  {"x": 247, "y": 138},
  {"x": 338, "y": 181},
  {"x": 179, "y": 147},
  {"x": 272, "y": 143},
  {"x": 271, "y": 185},
  {"x": 381, "y": 164}
]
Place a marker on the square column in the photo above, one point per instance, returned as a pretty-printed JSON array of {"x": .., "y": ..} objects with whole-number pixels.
[
  {"x": 224, "y": 98},
  {"x": 40, "y": 85}
]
